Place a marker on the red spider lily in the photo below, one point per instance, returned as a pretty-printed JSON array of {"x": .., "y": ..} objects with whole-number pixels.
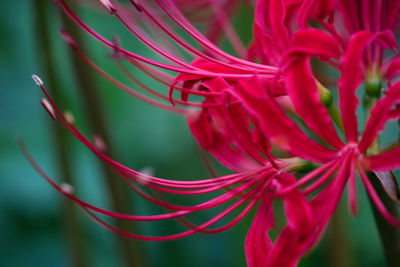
[
  {"x": 254, "y": 181},
  {"x": 245, "y": 113}
]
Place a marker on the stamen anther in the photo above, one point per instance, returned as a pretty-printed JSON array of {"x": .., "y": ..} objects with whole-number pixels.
[
  {"x": 110, "y": 7},
  {"x": 48, "y": 107},
  {"x": 37, "y": 80},
  {"x": 67, "y": 188}
]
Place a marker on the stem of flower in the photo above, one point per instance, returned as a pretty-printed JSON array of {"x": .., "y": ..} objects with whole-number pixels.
[
  {"x": 120, "y": 199},
  {"x": 326, "y": 98},
  {"x": 338, "y": 243},
  {"x": 45, "y": 49},
  {"x": 336, "y": 117},
  {"x": 389, "y": 235}
]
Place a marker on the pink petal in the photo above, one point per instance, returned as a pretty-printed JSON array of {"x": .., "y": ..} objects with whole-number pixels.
[
  {"x": 314, "y": 9},
  {"x": 385, "y": 161},
  {"x": 313, "y": 42},
  {"x": 217, "y": 144},
  {"x": 349, "y": 82},
  {"x": 303, "y": 91},
  {"x": 277, "y": 126},
  {"x": 393, "y": 69},
  {"x": 201, "y": 129},
  {"x": 297, "y": 208},
  {"x": 258, "y": 244}
]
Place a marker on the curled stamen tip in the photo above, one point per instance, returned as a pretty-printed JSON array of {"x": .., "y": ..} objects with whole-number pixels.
[
  {"x": 67, "y": 188},
  {"x": 37, "y": 80},
  {"x": 68, "y": 38},
  {"x": 69, "y": 117},
  {"x": 110, "y": 7},
  {"x": 99, "y": 143},
  {"x": 48, "y": 107}
]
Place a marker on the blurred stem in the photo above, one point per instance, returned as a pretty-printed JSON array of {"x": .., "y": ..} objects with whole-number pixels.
[
  {"x": 117, "y": 189},
  {"x": 338, "y": 243},
  {"x": 389, "y": 235},
  {"x": 335, "y": 115},
  {"x": 61, "y": 151}
]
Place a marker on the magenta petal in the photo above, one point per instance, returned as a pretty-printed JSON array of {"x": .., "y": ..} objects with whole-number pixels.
[
  {"x": 385, "y": 161},
  {"x": 217, "y": 144},
  {"x": 258, "y": 244},
  {"x": 277, "y": 126},
  {"x": 393, "y": 69},
  {"x": 352, "y": 74},
  {"x": 270, "y": 30},
  {"x": 380, "y": 113},
  {"x": 349, "y": 82},
  {"x": 313, "y": 42},
  {"x": 314, "y": 9},
  {"x": 201, "y": 129},
  {"x": 297, "y": 208},
  {"x": 303, "y": 91}
]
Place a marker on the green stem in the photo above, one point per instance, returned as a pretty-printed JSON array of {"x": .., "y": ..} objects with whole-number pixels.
[
  {"x": 389, "y": 235},
  {"x": 336, "y": 117},
  {"x": 72, "y": 226},
  {"x": 338, "y": 243},
  {"x": 118, "y": 191}
]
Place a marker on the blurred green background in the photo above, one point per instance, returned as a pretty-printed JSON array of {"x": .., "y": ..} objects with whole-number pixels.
[{"x": 33, "y": 217}]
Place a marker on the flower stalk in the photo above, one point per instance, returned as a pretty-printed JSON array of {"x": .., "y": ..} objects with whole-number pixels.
[
  {"x": 72, "y": 226},
  {"x": 131, "y": 252}
]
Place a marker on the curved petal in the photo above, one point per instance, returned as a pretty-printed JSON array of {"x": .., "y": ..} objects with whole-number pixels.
[
  {"x": 277, "y": 126},
  {"x": 313, "y": 42},
  {"x": 297, "y": 208},
  {"x": 385, "y": 161},
  {"x": 349, "y": 81},
  {"x": 393, "y": 69},
  {"x": 351, "y": 75},
  {"x": 258, "y": 244},
  {"x": 303, "y": 91},
  {"x": 314, "y": 9},
  {"x": 217, "y": 144}
]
